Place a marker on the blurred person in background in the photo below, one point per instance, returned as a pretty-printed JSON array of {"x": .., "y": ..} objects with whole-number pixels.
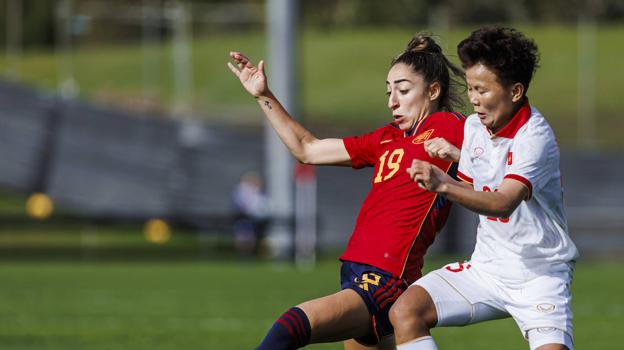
[
  {"x": 523, "y": 261},
  {"x": 398, "y": 220},
  {"x": 251, "y": 214}
]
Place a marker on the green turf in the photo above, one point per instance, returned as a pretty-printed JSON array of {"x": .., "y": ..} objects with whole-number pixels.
[
  {"x": 228, "y": 305},
  {"x": 342, "y": 75},
  {"x": 11, "y": 203}
]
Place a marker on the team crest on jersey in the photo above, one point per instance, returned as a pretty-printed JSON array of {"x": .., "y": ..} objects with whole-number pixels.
[
  {"x": 478, "y": 152},
  {"x": 423, "y": 136}
]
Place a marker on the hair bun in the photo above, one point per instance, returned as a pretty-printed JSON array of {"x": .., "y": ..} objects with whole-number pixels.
[{"x": 423, "y": 43}]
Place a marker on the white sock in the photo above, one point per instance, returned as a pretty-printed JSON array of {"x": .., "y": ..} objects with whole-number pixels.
[{"x": 422, "y": 343}]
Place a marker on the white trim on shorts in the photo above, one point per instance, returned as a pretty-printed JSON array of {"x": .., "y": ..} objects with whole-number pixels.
[{"x": 558, "y": 336}]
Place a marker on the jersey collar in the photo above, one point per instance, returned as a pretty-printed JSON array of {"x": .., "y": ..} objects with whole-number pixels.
[
  {"x": 414, "y": 129},
  {"x": 517, "y": 121}
]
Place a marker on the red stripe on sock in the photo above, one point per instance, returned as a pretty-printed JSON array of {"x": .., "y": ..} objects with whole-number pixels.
[
  {"x": 299, "y": 319},
  {"x": 287, "y": 326},
  {"x": 293, "y": 322},
  {"x": 294, "y": 319}
]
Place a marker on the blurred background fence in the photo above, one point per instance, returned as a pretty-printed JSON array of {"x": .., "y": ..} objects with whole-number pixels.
[{"x": 124, "y": 111}]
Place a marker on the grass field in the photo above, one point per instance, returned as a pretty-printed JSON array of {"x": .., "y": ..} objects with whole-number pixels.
[
  {"x": 96, "y": 288},
  {"x": 229, "y": 305},
  {"x": 342, "y": 75}
]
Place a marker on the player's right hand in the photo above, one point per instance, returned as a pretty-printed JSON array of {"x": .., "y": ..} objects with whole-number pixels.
[
  {"x": 440, "y": 148},
  {"x": 428, "y": 176},
  {"x": 253, "y": 78}
]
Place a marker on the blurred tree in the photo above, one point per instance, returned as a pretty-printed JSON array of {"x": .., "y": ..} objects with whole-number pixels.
[
  {"x": 347, "y": 13},
  {"x": 613, "y": 11},
  {"x": 38, "y": 16},
  {"x": 479, "y": 11},
  {"x": 37, "y": 22},
  {"x": 341, "y": 13}
]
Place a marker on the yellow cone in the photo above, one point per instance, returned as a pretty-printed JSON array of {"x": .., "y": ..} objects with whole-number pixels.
[
  {"x": 39, "y": 206},
  {"x": 157, "y": 231}
]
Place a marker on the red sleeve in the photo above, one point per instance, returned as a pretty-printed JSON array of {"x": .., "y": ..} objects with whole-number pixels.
[{"x": 363, "y": 148}]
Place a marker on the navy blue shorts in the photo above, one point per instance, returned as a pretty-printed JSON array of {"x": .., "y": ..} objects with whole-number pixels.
[{"x": 379, "y": 290}]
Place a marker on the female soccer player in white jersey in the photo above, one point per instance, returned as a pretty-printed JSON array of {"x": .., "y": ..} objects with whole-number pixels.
[{"x": 522, "y": 264}]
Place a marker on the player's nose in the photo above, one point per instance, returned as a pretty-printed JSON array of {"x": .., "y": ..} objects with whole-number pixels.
[
  {"x": 473, "y": 100},
  {"x": 393, "y": 103}
]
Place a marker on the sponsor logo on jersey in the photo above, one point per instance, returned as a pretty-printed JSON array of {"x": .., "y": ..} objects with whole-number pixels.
[
  {"x": 385, "y": 141},
  {"x": 422, "y": 137}
]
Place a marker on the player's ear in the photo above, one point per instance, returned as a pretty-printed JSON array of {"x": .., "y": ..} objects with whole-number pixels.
[
  {"x": 517, "y": 92},
  {"x": 434, "y": 90}
]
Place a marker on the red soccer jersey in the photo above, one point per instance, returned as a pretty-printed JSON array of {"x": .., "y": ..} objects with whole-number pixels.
[{"x": 398, "y": 220}]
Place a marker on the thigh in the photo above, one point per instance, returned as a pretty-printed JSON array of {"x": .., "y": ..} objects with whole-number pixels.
[
  {"x": 543, "y": 304},
  {"x": 461, "y": 296},
  {"x": 336, "y": 317},
  {"x": 379, "y": 290}
]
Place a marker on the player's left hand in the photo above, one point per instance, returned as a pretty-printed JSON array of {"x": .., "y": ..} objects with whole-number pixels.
[
  {"x": 253, "y": 78},
  {"x": 440, "y": 148},
  {"x": 427, "y": 175}
]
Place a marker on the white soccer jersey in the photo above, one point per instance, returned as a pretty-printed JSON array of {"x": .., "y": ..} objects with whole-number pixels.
[{"x": 534, "y": 239}]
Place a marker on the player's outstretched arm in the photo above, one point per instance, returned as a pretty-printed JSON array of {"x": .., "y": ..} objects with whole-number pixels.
[
  {"x": 497, "y": 204},
  {"x": 302, "y": 144}
]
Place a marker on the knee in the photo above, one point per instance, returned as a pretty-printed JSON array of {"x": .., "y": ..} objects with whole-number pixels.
[
  {"x": 406, "y": 313},
  {"x": 413, "y": 313}
]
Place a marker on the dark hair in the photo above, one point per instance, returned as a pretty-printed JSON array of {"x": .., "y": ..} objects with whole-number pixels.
[
  {"x": 425, "y": 57},
  {"x": 511, "y": 55}
]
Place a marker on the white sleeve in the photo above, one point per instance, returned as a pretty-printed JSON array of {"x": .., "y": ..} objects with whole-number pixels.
[{"x": 531, "y": 161}]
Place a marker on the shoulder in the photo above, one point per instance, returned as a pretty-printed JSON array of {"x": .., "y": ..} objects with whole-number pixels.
[
  {"x": 447, "y": 117},
  {"x": 537, "y": 122},
  {"x": 447, "y": 123},
  {"x": 537, "y": 129},
  {"x": 537, "y": 140}
]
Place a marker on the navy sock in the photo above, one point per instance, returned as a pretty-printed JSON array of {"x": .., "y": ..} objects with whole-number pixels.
[{"x": 290, "y": 331}]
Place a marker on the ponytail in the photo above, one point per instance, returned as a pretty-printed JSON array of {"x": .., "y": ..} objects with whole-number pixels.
[{"x": 425, "y": 57}]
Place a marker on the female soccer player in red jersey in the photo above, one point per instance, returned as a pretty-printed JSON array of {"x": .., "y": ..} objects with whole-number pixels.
[{"x": 398, "y": 220}]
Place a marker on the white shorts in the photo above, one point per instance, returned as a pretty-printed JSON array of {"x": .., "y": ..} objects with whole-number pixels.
[{"x": 541, "y": 307}]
